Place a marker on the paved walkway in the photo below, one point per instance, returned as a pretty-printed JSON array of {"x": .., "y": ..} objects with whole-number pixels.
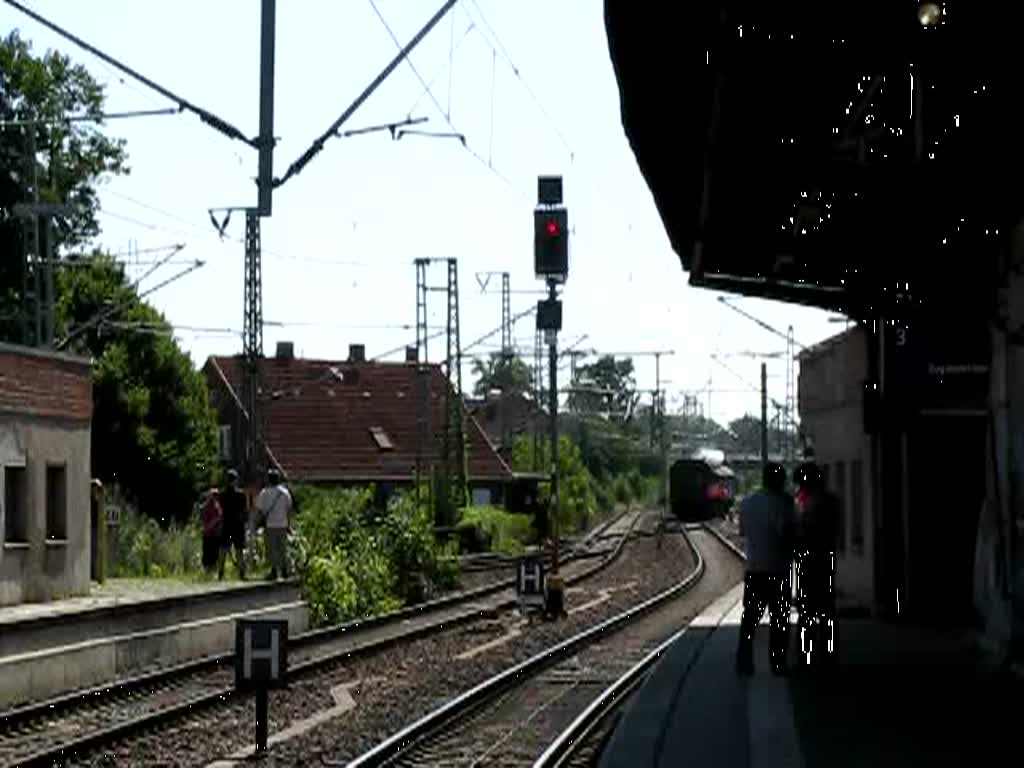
[
  {"x": 899, "y": 696},
  {"x": 114, "y": 592}
]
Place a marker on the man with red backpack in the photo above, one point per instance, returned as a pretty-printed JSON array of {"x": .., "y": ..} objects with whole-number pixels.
[{"x": 212, "y": 515}]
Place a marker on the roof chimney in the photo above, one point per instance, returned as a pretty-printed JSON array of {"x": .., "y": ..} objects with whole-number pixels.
[
  {"x": 356, "y": 353},
  {"x": 286, "y": 350},
  {"x": 411, "y": 355}
]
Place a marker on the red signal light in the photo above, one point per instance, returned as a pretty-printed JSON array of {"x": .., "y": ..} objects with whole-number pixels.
[{"x": 552, "y": 228}]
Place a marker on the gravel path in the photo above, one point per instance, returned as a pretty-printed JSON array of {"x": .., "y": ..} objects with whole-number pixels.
[{"x": 391, "y": 689}]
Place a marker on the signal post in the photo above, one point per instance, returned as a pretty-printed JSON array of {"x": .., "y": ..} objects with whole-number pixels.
[{"x": 551, "y": 263}]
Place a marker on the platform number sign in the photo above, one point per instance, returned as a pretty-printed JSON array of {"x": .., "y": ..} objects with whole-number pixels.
[
  {"x": 530, "y": 583},
  {"x": 261, "y": 659}
]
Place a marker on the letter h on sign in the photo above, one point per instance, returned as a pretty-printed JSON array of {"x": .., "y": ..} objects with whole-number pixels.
[
  {"x": 261, "y": 659},
  {"x": 530, "y": 582}
]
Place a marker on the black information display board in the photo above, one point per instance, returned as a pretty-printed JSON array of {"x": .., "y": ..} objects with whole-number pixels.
[{"x": 937, "y": 361}]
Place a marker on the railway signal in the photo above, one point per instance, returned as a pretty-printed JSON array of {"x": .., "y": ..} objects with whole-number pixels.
[
  {"x": 261, "y": 663},
  {"x": 551, "y": 263},
  {"x": 551, "y": 243}
]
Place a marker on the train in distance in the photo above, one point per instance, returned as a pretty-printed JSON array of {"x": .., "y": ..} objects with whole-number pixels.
[{"x": 701, "y": 487}]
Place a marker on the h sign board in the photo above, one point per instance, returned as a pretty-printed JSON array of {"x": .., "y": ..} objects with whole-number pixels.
[
  {"x": 261, "y": 659},
  {"x": 530, "y": 582}
]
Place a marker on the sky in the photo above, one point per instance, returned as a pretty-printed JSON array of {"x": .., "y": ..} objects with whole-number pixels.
[{"x": 528, "y": 83}]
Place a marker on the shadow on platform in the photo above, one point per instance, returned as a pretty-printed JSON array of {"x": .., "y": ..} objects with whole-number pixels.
[{"x": 897, "y": 696}]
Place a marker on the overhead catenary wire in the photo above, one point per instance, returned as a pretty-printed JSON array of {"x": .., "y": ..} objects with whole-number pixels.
[
  {"x": 440, "y": 110},
  {"x": 440, "y": 70},
  {"x": 204, "y": 231},
  {"x": 318, "y": 145},
  {"x": 205, "y": 115},
  {"x": 97, "y": 319},
  {"x": 519, "y": 76},
  {"x": 90, "y": 118}
]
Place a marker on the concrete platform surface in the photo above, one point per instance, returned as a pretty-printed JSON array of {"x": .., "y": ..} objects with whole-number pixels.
[
  {"x": 897, "y": 696},
  {"x": 127, "y": 626},
  {"x": 118, "y": 592}
]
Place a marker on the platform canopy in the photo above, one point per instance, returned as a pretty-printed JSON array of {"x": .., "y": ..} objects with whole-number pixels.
[{"x": 843, "y": 155}]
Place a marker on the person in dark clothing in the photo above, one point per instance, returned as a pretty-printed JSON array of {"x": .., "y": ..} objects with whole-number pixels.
[
  {"x": 767, "y": 520},
  {"x": 817, "y": 535},
  {"x": 236, "y": 515},
  {"x": 213, "y": 528}
]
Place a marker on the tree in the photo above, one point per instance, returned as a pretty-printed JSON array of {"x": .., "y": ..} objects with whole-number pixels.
[
  {"x": 575, "y": 494},
  {"x": 606, "y": 387},
  {"x": 746, "y": 432},
  {"x": 71, "y": 157},
  {"x": 154, "y": 432},
  {"x": 509, "y": 374}
]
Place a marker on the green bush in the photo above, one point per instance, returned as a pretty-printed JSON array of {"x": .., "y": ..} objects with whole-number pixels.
[
  {"x": 620, "y": 488},
  {"x": 331, "y": 592},
  {"x": 495, "y": 530},
  {"x": 576, "y": 496},
  {"x": 356, "y": 559},
  {"x": 143, "y": 548},
  {"x": 604, "y": 499},
  {"x": 637, "y": 485}
]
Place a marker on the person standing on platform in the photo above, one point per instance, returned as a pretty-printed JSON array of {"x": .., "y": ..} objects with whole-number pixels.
[
  {"x": 213, "y": 529},
  {"x": 818, "y": 533},
  {"x": 767, "y": 520},
  {"x": 274, "y": 506},
  {"x": 235, "y": 505}
]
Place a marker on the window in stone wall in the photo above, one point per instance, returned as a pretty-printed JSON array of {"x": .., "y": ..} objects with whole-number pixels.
[
  {"x": 840, "y": 491},
  {"x": 857, "y": 508},
  {"x": 56, "y": 502},
  {"x": 15, "y": 505}
]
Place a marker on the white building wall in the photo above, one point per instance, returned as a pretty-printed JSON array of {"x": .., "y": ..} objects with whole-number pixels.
[
  {"x": 830, "y": 391},
  {"x": 40, "y": 569}
]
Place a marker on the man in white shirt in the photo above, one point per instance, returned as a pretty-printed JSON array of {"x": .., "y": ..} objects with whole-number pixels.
[
  {"x": 767, "y": 521},
  {"x": 274, "y": 506}
]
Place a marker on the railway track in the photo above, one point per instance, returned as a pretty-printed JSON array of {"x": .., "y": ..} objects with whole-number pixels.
[
  {"x": 522, "y": 713},
  {"x": 50, "y": 732},
  {"x": 582, "y": 742}
]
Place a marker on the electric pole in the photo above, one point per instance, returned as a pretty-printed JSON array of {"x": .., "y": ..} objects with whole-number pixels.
[
  {"x": 538, "y": 395},
  {"x": 39, "y": 253},
  {"x": 506, "y": 318},
  {"x": 451, "y": 493},
  {"x": 764, "y": 415},
  {"x": 454, "y": 435}
]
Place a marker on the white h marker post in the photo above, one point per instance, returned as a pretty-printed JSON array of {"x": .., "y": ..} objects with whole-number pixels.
[
  {"x": 270, "y": 672},
  {"x": 531, "y": 583},
  {"x": 269, "y": 654}
]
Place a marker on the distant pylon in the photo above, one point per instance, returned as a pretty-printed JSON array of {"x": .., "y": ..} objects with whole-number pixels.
[
  {"x": 454, "y": 433},
  {"x": 789, "y": 409},
  {"x": 506, "y": 317},
  {"x": 422, "y": 378}
]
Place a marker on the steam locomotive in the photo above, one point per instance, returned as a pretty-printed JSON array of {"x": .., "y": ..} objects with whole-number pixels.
[{"x": 701, "y": 487}]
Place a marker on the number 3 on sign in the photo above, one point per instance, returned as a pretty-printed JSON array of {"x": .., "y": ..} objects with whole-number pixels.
[{"x": 901, "y": 337}]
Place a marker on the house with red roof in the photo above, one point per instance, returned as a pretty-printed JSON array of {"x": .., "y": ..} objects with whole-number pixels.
[{"x": 350, "y": 422}]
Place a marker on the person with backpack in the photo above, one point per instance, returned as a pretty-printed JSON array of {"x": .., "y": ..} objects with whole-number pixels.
[
  {"x": 275, "y": 508},
  {"x": 213, "y": 529}
]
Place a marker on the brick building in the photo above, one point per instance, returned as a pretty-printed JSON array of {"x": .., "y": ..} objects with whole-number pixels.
[
  {"x": 351, "y": 422},
  {"x": 45, "y": 434}
]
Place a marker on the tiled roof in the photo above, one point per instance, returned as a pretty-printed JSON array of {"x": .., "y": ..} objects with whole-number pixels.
[{"x": 320, "y": 418}]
